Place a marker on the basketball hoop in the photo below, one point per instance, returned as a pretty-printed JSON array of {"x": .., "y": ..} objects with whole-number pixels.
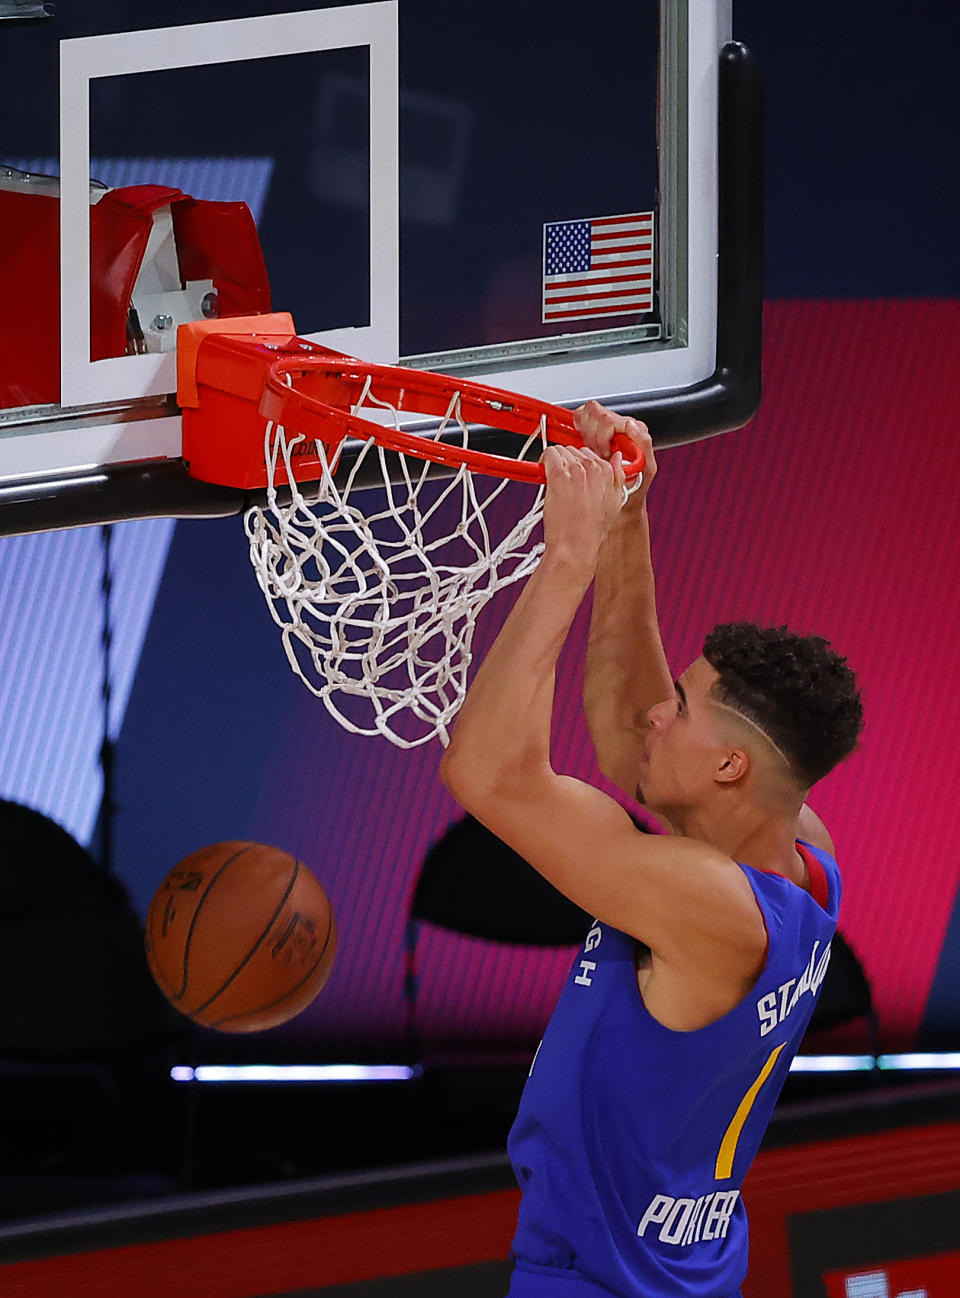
[{"x": 375, "y": 604}]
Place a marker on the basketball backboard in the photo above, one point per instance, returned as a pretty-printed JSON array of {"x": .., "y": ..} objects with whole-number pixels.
[{"x": 562, "y": 203}]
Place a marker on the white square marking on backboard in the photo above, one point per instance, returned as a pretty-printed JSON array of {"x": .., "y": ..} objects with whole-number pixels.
[{"x": 86, "y": 382}]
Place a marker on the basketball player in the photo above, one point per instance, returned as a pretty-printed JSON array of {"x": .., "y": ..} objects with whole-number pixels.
[{"x": 672, "y": 1038}]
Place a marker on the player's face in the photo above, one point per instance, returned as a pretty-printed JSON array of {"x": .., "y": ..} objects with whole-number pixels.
[{"x": 681, "y": 745}]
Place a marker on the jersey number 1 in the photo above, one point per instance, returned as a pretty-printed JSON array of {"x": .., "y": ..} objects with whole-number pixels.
[{"x": 728, "y": 1146}]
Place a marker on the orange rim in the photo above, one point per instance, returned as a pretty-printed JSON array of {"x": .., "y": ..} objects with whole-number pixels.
[{"x": 342, "y": 380}]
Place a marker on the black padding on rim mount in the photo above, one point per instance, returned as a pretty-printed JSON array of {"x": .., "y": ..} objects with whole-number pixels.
[{"x": 112, "y": 494}]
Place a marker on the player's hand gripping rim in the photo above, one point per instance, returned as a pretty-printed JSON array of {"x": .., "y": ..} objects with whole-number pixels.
[
  {"x": 598, "y": 427},
  {"x": 584, "y": 495}
]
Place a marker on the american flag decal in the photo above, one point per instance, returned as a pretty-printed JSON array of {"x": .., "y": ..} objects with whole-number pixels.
[{"x": 598, "y": 266}]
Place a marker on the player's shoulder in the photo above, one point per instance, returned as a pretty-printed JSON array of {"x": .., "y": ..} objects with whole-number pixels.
[
  {"x": 699, "y": 860},
  {"x": 706, "y": 901},
  {"x": 812, "y": 830}
]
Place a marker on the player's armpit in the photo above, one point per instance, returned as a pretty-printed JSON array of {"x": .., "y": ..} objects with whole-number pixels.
[{"x": 684, "y": 899}]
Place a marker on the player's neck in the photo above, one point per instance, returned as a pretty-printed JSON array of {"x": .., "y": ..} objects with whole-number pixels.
[{"x": 747, "y": 833}]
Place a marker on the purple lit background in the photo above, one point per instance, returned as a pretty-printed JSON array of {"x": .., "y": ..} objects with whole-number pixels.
[{"x": 834, "y": 510}]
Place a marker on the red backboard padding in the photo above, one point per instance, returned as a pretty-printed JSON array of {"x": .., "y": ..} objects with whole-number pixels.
[
  {"x": 216, "y": 241},
  {"x": 30, "y": 350}
]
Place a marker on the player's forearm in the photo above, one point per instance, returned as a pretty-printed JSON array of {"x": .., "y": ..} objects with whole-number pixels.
[
  {"x": 503, "y": 728},
  {"x": 626, "y": 668}
]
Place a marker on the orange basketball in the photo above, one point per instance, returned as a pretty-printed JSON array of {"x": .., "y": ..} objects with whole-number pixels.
[{"x": 240, "y": 937}]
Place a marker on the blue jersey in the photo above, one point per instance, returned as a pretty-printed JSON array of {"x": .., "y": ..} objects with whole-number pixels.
[{"x": 632, "y": 1140}]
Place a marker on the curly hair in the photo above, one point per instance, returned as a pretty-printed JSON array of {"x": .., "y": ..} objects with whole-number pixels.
[{"x": 794, "y": 687}]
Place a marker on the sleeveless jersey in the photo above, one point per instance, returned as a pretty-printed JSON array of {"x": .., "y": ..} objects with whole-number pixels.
[{"x": 632, "y": 1140}]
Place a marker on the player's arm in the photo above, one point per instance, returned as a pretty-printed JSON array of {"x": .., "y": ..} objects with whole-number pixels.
[
  {"x": 689, "y": 903},
  {"x": 626, "y": 667}
]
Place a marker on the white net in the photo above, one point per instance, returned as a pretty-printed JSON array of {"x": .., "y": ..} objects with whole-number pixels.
[{"x": 377, "y": 595}]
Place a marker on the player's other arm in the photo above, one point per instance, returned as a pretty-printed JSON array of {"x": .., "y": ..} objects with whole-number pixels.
[
  {"x": 687, "y": 901},
  {"x": 626, "y": 667}
]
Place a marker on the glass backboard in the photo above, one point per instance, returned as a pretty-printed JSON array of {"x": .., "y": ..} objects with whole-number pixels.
[{"x": 536, "y": 199}]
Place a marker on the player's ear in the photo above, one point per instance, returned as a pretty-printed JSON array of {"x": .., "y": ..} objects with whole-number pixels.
[{"x": 734, "y": 764}]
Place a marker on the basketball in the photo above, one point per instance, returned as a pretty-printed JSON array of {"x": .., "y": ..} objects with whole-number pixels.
[{"x": 240, "y": 937}]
